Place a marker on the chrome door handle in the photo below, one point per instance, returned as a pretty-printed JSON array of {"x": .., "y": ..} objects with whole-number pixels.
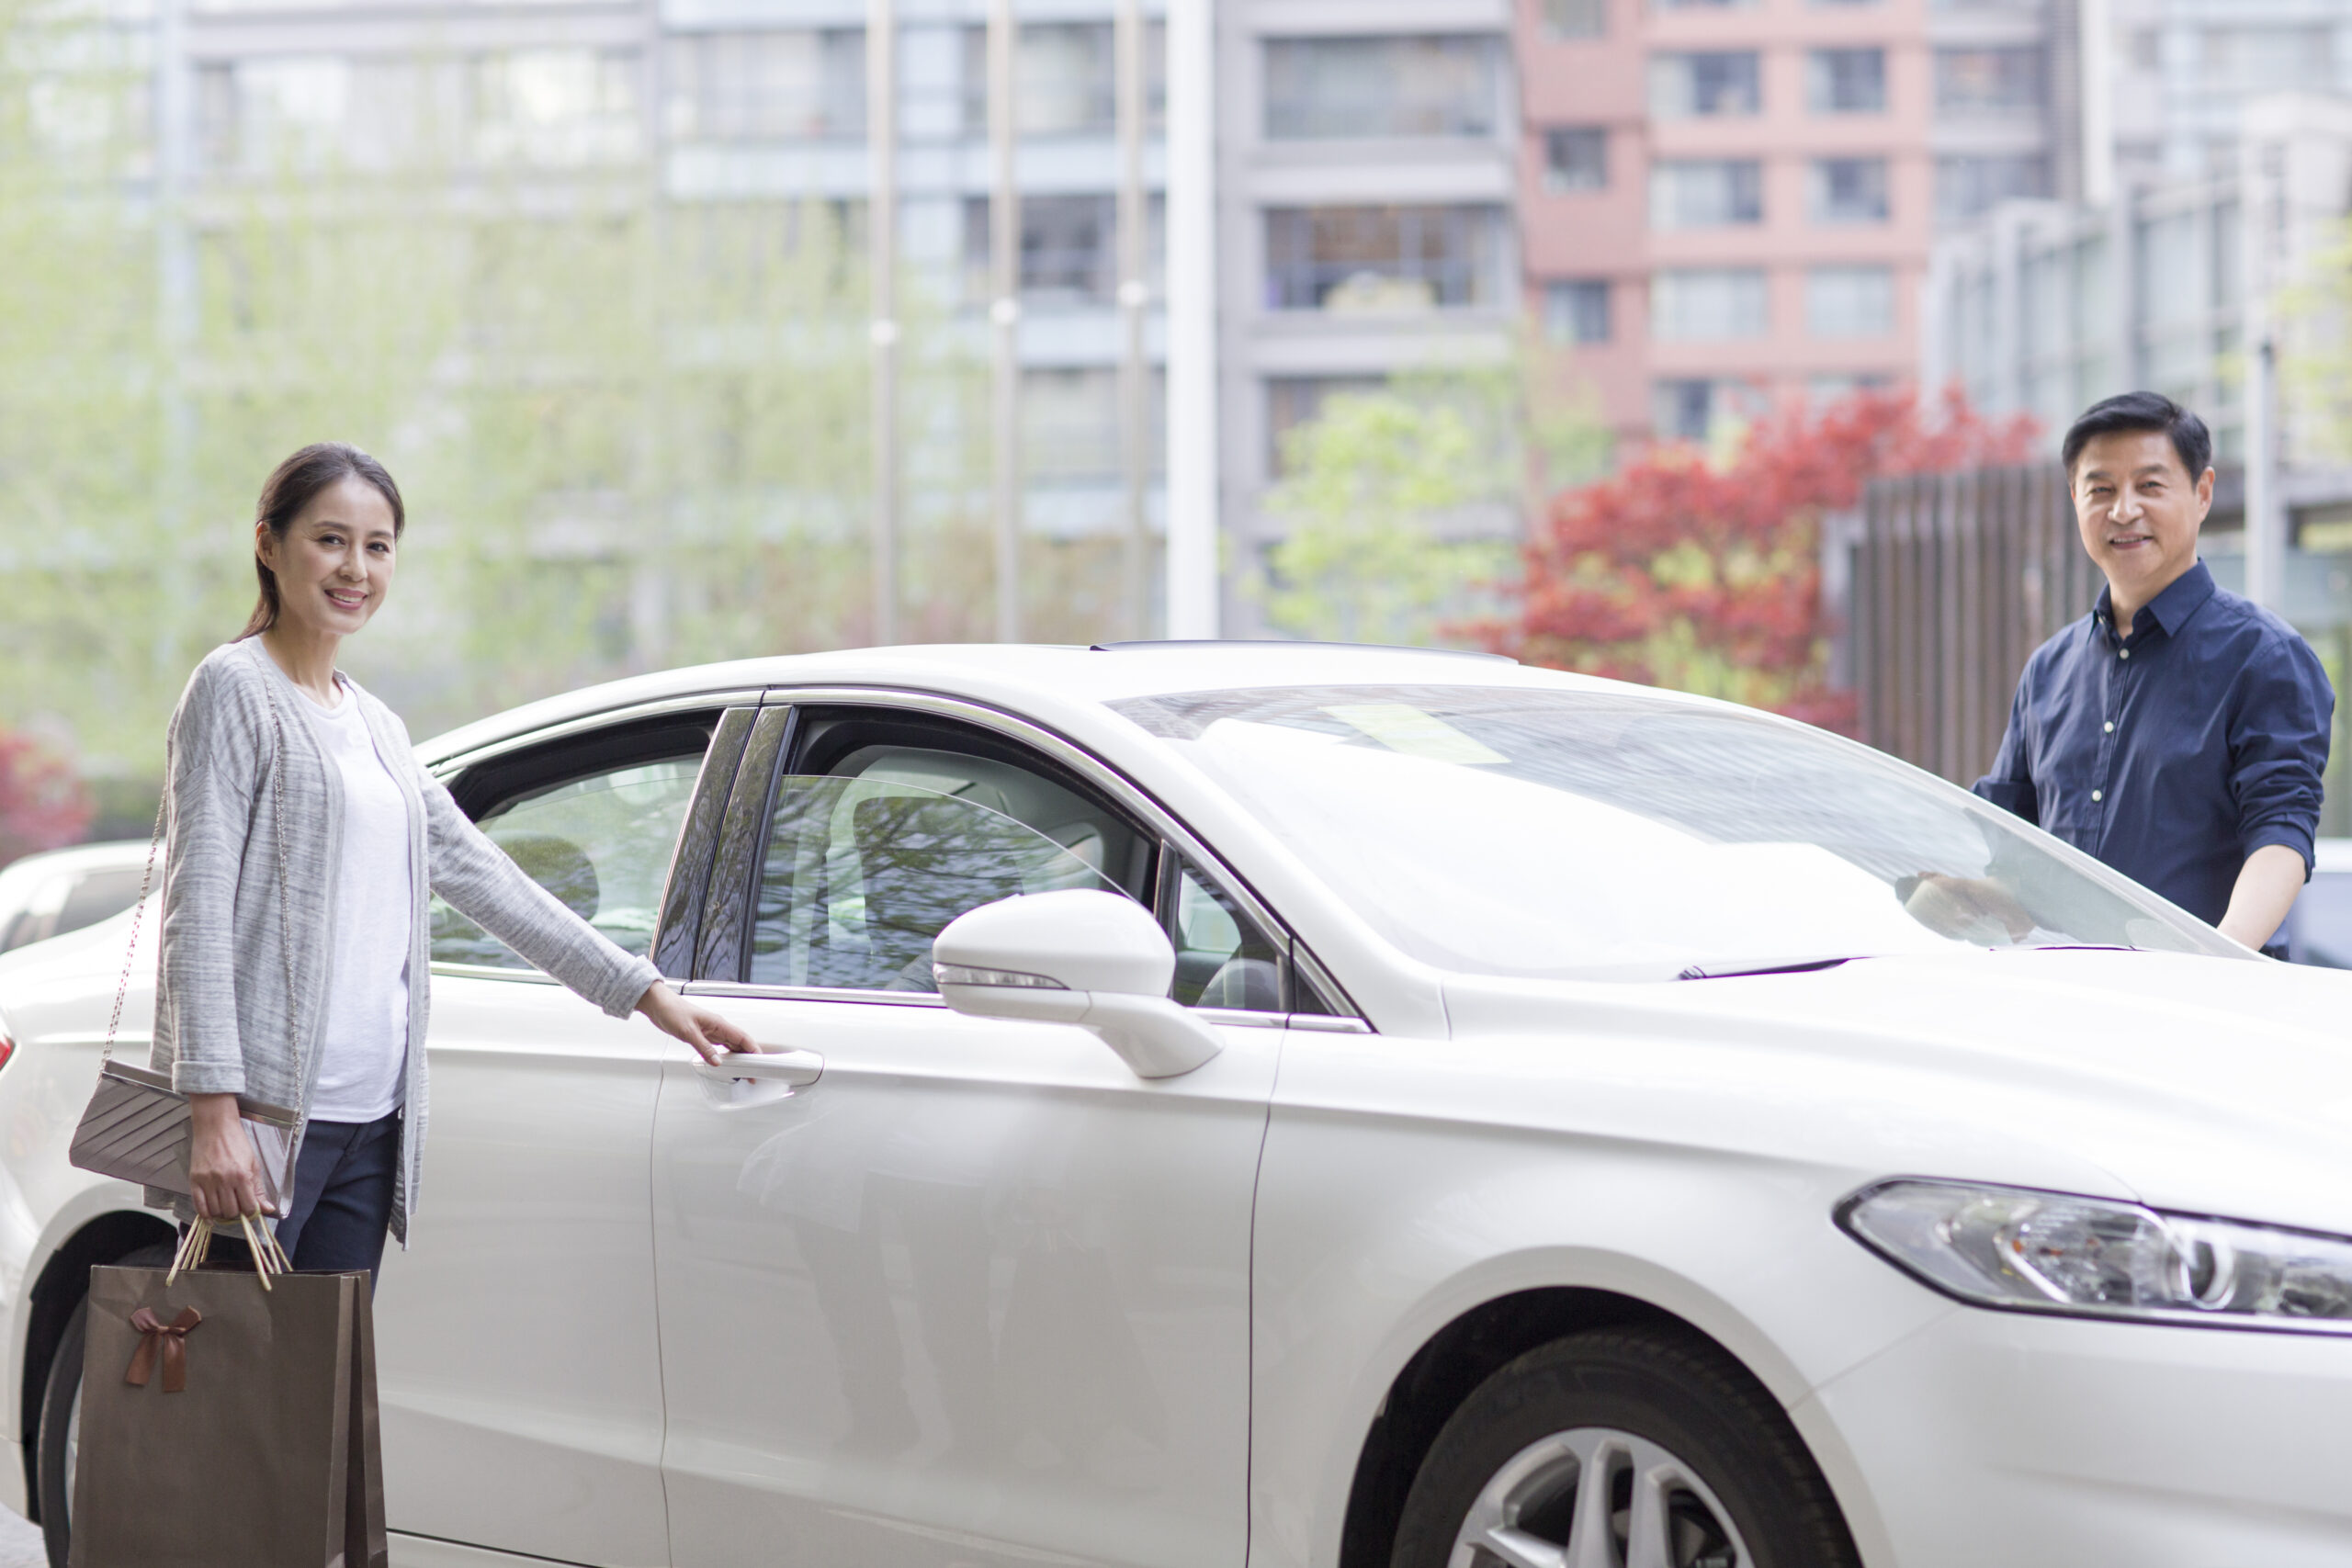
[{"x": 767, "y": 1064}]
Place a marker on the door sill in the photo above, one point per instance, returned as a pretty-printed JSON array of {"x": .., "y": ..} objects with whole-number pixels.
[{"x": 428, "y": 1552}]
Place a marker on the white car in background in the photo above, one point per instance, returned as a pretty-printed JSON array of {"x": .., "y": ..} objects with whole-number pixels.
[
  {"x": 2319, "y": 928},
  {"x": 60, "y": 891},
  {"x": 1386, "y": 1109}
]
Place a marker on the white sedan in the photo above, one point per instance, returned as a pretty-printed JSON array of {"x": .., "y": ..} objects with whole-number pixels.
[{"x": 1372, "y": 1110}]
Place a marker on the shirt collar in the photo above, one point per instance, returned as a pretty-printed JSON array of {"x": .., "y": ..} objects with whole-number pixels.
[{"x": 2170, "y": 609}]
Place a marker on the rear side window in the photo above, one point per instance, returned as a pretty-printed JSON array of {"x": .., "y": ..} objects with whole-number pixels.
[
  {"x": 98, "y": 896},
  {"x": 599, "y": 838}
]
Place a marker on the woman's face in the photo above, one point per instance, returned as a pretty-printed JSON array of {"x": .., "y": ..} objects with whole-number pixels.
[{"x": 335, "y": 565}]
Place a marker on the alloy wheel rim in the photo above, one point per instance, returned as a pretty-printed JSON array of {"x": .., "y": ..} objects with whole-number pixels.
[{"x": 1598, "y": 1498}]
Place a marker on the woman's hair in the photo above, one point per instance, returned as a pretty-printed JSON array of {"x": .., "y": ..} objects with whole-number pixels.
[{"x": 290, "y": 488}]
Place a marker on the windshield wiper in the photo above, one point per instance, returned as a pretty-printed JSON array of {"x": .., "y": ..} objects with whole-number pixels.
[{"x": 1766, "y": 966}]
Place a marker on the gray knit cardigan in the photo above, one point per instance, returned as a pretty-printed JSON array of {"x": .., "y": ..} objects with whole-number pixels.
[{"x": 221, "y": 988}]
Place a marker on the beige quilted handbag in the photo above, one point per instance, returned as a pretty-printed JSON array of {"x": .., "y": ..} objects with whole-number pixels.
[{"x": 137, "y": 1127}]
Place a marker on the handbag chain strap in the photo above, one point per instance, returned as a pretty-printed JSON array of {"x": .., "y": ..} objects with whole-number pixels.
[{"x": 285, "y": 921}]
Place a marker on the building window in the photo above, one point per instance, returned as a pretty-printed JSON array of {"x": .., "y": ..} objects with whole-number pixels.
[
  {"x": 1065, "y": 79},
  {"x": 1577, "y": 19},
  {"x": 1429, "y": 86},
  {"x": 1849, "y": 190},
  {"x": 1849, "y": 302},
  {"x": 1977, "y": 81},
  {"x": 1575, "y": 157},
  {"x": 1575, "y": 310},
  {"x": 1847, "y": 81},
  {"x": 1705, "y": 81},
  {"x": 1706, "y": 193},
  {"x": 1692, "y": 408},
  {"x": 1069, "y": 248},
  {"x": 1375, "y": 259},
  {"x": 769, "y": 85},
  {"x": 556, "y": 106},
  {"x": 1966, "y": 187},
  {"x": 1069, "y": 426},
  {"x": 1700, "y": 4},
  {"x": 1295, "y": 400},
  {"x": 1701, "y": 304}
]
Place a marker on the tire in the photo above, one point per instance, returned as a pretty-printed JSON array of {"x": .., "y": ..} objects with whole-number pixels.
[
  {"x": 61, "y": 1410},
  {"x": 1699, "y": 1458}
]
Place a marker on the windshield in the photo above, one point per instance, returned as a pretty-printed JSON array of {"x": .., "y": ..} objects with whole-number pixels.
[{"x": 1606, "y": 835}]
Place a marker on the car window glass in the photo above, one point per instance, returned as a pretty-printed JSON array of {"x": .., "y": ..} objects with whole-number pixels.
[
  {"x": 861, "y": 874},
  {"x": 601, "y": 843},
  {"x": 1223, "y": 958},
  {"x": 1088, "y": 829}
]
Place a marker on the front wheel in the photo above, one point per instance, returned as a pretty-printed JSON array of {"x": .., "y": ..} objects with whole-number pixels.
[
  {"x": 60, "y": 1420},
  {"x": 1621, "y": 1448}
]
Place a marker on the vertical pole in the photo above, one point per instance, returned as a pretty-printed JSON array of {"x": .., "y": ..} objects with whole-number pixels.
[
  {"x": 1005, "y": 315},
  {"x": 174, "y": 89},
  {"x": 882, "y": 288},
  {"x": 1194, "y": 486},
  {"x": 2265, "y": 534},
  {"x": 1135, "y": 435}
]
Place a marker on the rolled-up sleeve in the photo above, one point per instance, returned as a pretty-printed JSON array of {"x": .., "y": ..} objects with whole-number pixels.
[
  {"x": 2279, "y": 727},
  {"x": 2011, "y": 783}
]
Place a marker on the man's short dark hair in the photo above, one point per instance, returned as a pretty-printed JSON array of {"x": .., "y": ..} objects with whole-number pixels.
[{"x": 2141, "y": 411}]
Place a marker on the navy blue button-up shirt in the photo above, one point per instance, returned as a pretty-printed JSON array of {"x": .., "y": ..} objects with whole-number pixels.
[{"x": 2176, "y": 752}]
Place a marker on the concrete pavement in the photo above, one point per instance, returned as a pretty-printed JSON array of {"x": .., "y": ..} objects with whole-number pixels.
[{"x": 20, "y": 1544}]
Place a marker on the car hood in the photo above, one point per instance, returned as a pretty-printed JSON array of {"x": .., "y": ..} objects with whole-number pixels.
[{"x": 2205, "y": 1085}]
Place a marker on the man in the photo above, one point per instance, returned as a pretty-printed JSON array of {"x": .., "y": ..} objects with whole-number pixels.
[{"x": 2177, "y": 732}]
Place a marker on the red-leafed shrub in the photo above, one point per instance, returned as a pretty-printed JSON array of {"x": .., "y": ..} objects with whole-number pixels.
[
  {"x": 1677, "y": 572},
  {"x": 43, "y": 804}
]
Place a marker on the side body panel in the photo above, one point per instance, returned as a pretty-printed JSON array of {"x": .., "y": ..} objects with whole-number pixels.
[
  {"x": 977, "y": 1294},
  {"x": 521, "y": 1379}
]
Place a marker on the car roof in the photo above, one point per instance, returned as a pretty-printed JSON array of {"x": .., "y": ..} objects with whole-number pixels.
[{"x": 1031, "y": 678}]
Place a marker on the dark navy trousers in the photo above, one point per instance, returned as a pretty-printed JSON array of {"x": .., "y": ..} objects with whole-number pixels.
[{"x": 342, "y": 1198}]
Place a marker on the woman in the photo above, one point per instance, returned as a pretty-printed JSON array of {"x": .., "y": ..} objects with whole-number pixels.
[{"x": 357, "y": 835}]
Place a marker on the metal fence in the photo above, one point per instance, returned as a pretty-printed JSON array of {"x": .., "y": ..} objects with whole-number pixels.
[{"x": 1956, "y": 579}]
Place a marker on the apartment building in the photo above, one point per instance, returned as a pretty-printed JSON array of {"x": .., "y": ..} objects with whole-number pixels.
[
  {"x": 1726, "y": 202},
  {"x": 1366, "y": 190}
]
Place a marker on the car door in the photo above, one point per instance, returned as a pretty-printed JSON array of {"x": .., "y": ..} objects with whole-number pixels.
[
  {"x": 975, "y": 1293},
  {"x": 520, "y": 1376}
]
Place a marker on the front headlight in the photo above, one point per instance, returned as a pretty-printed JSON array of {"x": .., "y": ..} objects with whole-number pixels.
[{"x": 2007, "y": 1247}]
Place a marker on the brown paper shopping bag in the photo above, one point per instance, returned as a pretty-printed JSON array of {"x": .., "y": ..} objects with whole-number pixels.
[{"x": 226, "y": 1423}]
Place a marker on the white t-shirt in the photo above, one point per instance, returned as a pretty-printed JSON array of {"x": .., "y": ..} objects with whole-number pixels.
[{"x": 365, "y": 1049}]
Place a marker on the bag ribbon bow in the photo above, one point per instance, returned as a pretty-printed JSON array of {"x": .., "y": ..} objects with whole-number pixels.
[{"x": 172, "y": 1336}]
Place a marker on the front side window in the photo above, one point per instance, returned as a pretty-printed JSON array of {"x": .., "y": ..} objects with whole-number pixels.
[
  {"x": 1223, "y": 957},
  {"x": 1543, "y": 832},
  {"x": 601, "y": 843},
  {"x": 862, "y": 874}
]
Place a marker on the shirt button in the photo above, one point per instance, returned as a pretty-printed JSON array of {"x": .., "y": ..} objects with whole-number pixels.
[
  {"x": 2110, "y": 726},
  {"x": 2122, "y": 653},
  {"x": 2095, "y": 795}
]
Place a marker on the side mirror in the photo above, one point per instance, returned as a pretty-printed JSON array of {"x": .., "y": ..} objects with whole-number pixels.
[{"x": 1083, "y": 957}]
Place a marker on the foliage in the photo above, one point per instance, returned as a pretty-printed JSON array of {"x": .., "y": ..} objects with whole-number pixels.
[
  {"x": 42, "y": 805},
  {"x": 1679, "y": 574},
  {"x": 629, "y": 433},
  {"x": 1396, "y": 501},
  {"x": 2314, "y": 317}
]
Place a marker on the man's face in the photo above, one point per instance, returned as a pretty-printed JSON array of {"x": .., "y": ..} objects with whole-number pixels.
[{"x": 2139, "y": 509}]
